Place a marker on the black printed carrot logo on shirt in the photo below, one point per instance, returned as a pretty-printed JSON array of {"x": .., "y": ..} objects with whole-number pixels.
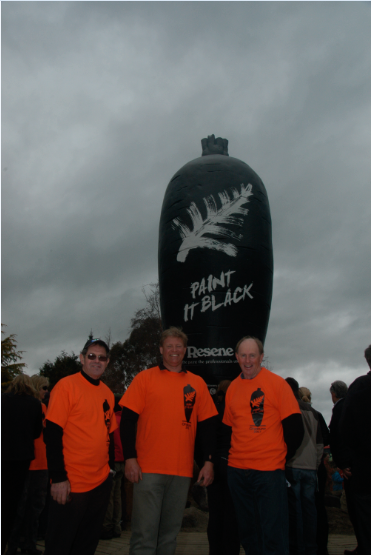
[
  {"x": 189, "y": 395},
  {"x": 257, "y": 410},
  {"x": 107, "y": 418}
]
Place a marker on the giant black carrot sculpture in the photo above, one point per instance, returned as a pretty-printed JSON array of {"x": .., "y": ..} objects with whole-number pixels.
[{"x": 215, "y": 258}]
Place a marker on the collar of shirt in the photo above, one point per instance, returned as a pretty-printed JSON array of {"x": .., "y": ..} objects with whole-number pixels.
[
  {"x": 338, "y": 401},
  {"x": 163, "y": 367},
  {"x": 91, "y": 380}
]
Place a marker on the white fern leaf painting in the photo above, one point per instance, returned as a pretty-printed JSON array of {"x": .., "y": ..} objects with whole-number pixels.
[{"x": 230, "y": 213}]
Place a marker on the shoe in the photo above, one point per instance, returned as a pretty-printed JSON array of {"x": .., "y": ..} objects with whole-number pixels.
[
  {"x": 351, "y": 552},
  {"x": 116, "y": 534},
  {"x": 106, "y": 535}
]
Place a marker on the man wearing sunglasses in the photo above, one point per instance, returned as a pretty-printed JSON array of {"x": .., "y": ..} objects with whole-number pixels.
[{"x": 79, "y": 430}]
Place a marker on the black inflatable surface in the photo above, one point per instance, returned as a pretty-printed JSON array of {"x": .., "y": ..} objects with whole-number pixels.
[{"x": 215, "y": 259}]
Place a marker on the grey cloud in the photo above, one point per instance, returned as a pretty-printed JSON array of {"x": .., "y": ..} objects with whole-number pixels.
[{"x": 104, "y": 101}]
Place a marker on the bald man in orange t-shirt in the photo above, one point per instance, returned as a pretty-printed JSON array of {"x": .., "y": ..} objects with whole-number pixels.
[
  {"x": 162, "y": 409},
  {"x": 267, "y": 427}
]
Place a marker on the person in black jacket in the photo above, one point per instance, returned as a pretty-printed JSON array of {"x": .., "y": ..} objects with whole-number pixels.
[
  {"x": 322, "y": 520},
  {"x": 339, "y": 449},
  {"x": 338, "y": 392},
  {"x": 21, "y": 424},
  {"x": 355, "y": 427}
]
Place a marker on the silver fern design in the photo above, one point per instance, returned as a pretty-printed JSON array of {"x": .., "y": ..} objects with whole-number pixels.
[{"x": 230, "y": 213}]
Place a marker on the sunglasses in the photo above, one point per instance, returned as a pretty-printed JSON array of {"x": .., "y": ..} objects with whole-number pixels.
[
  {"x": 45, "y": 387},
  {"x": 101, "y": 358}
]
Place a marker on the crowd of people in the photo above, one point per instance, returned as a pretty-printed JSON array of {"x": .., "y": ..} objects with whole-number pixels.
[{"x": 258, "y": 442}]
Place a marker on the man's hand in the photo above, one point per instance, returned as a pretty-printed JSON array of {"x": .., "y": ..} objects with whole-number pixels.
[
  {"x": 346, "y": 473},
  {"x": 206, "y": 474},
  {"x": 133, "y": 472},
  {"x": 60, "y": 492}
]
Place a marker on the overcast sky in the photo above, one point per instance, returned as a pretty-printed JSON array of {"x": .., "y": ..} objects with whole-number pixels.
[{"x": 103, "y": 102}]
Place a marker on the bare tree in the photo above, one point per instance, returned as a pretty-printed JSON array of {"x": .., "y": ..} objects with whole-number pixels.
[{"x": 141, "y": 349}]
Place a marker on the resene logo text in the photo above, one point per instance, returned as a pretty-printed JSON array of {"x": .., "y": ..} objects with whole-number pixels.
[{"x": 194, "y": 352}]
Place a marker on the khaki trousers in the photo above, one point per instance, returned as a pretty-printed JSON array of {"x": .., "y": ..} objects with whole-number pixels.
[{"x": 158, "y": 506}]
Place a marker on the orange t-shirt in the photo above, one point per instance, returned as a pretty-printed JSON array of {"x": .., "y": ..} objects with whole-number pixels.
[
  {"x": 40, "y": 462},
  {"x": 255, "y": 409},
  {"x": 85, "y": 412},
  {"x": 169, "y": 405}
]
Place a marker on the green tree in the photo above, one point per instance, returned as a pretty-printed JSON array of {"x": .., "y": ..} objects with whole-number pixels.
[
  {"x": 10, "y": 357},
  {"x": 64, "y": 365}
]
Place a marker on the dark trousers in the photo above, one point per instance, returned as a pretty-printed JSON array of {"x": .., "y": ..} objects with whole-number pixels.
[
  {"x": 113, "y": 516},
  {"x": 30, "y": 506},
  {"x": 358, "y": 494},
  {"x": 222, "y": 529},
  {"x": 350, "y": 503},
  {"x": 75, "y": 528},
  {"x": 322, "y": 520},
  {"x": 13, "y": 477},
  {"x": 43, "y": 519},
  {"x": 260, "y": 500},
  {"x": 363, "y": 528}
]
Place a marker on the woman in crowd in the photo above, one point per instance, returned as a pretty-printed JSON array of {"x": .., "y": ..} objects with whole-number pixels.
[
  {"x": 24, "y": 533},
  {"x": 21, "y": 424},
  {"x": 305, "y": 395}
]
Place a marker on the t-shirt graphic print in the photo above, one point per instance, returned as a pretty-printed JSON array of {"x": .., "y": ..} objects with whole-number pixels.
[
  {"x": 107, "y": 414},
  {"x": 189, "y": 401},
  {"x": 257, "y": 406}
]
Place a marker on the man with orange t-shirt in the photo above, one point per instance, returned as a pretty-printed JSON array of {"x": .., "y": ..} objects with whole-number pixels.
[
  {"x": 168, "y": 404},
  {"x": 267, "y": 428},
  {"x": 79, "y": 432}
]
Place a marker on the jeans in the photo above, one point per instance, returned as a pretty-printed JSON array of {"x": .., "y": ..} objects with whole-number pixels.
[
  {"x": 158, "y": 506},
  {"x": 302, "y": 511},
  {"x": 260, "y": 500}
]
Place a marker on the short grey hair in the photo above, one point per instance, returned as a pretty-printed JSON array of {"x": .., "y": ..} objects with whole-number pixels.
[
  {"x": 257, "y": 341},
  {"x": 339, "y": 388}
]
